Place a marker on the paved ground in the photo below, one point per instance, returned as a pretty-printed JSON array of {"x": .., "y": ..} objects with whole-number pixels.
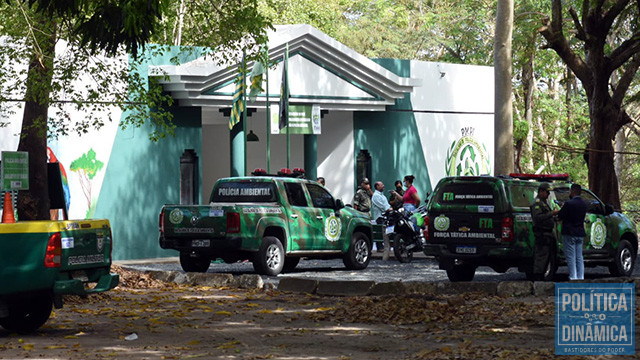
[{"x": 422, "y": 269}]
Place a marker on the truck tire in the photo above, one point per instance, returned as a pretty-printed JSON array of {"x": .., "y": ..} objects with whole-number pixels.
[
  {"x": 27, "y": 315},
  {"x": 192, "y": 262},
  {"x": 623, "y": 262},
  {"x": 290, "y": 263},
  {"x": 359, "y": 253},
  {"x": 400, "y": 251},
  {"x": 463, "y": 272},
  {"x": 270, "y": 257}
]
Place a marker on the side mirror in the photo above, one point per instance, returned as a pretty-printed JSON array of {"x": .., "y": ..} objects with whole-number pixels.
[
  {"x": 608, "y": 210},
  {"x": 339, "y": 204}
]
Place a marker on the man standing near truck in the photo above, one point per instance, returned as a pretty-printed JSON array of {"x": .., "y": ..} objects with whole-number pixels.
[
  {"x": 543, "y": 224},
  {"x": 379, "y": 205},
  {"x": 362, "y": 198},
  {"x": 572, "y": 215}
]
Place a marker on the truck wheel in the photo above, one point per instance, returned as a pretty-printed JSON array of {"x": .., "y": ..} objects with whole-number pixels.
[
  {"x": 623, "y": 262},
  {"x": 270, "y": 257},
  {"x": 290, "y": 263},
  {"x": 192, "y": 262},
  {"x": 461, "y": 273},
  {"x": 359, "y": 253},
  {"x": 400, "y": 251},
  {"x": 27, "y": 315}
]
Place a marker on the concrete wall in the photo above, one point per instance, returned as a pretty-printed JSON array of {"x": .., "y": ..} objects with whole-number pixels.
[
  {"x": 418, "y": 134},
  {"x": 141, "y": 177}
]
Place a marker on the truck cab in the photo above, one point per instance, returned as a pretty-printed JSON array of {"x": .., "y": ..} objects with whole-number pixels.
[{"x": 273, "y": 221}]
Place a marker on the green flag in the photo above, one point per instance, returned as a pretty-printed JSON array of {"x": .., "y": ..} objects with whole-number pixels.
[
  {"x": 256, "y": 77},
  {"x": 238, "y": 104},
  {"x": 284, "y": 92}
]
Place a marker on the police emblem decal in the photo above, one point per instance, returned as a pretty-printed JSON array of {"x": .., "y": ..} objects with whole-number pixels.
[
  {"x": 332, "y": 228},
  {"x": 175, "y": 216},
  {"x": 441, "y": 223}
]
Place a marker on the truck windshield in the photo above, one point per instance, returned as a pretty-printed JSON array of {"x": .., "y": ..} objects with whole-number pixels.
[{"x": 244, "y": 191}]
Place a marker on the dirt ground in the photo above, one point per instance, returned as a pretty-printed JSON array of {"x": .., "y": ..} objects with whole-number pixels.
[{"x": 146, "y": 319}]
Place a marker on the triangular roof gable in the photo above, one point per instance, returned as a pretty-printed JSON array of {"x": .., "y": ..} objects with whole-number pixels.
[
  {"x": 321, "y": 71},
  {"x": 304, "y": 73}
]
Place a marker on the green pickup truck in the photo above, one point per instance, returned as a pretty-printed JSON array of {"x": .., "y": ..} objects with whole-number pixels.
[
  {"x": 486, "y": 221},
  {"x": 272, "y": 221},
  {"x": 40, "y": 261}
]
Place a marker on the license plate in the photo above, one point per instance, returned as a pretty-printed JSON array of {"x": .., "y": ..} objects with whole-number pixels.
[
  {"x": 200, "y": 243},
  {"x": 465, "y": 249},
  {"x": 389, "y": 230},
  {"x": 216, "y": 212}
]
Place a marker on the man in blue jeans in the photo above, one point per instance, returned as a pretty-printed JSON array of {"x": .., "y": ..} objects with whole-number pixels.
[{"x": 572, "y": 215}]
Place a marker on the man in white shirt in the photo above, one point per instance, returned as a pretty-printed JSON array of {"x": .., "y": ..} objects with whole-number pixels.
[{"x": 380, "y": 204}]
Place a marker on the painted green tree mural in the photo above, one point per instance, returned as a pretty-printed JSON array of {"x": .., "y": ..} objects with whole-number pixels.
[{"x": 87, "y": 166}]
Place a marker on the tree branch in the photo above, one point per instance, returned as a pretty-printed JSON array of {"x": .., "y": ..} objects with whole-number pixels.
[
  {"x": 612, "y": 14},
  {"x": 625, "y": 81},
  {"x": 622, "y": 120},
  {"x": 552, "y": 32},
  {"x": 624, "y": 52},
  {"x": 581, "y": 35}
]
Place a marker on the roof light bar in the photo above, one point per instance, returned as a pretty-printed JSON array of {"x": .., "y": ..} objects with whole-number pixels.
[{"x": 544, "y": 177}]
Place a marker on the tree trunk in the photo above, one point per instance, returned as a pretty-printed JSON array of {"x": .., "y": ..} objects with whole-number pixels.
[
  {"x": 618, "y": 156},
  {"x": 602, "y": 174},
  {"x": 504, "y": 159},
  {"x": 33, "y": 204},
  {"x": 528, "y": 80}
]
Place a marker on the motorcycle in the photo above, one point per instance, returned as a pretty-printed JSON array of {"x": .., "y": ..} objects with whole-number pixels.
[{"x": 406, "y": 232}]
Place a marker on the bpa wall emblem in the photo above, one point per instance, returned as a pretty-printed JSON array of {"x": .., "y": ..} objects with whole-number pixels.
[
  {"x": 595, "y": 319},
  {"x": 467, "y": 156}
]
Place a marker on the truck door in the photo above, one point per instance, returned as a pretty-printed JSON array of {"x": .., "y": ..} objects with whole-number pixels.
[
  {"x": 300, "y": 215},
  {"x": 329, "y": 230},
  {"x": 595, "y": 221}
]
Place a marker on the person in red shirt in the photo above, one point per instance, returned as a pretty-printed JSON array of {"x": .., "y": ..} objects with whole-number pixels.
[{"x": 410, "y": 199}]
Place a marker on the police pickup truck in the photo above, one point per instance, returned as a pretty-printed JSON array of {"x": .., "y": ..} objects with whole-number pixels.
[
  {"x": 486, "y": 221},
  {"x": 272, "y": 221},
  {"x": 40, "y": 261}
]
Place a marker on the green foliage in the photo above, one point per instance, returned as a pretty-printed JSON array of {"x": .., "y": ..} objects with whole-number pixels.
[
  {"x": 88, "y": 27},
  {"x": 325, "y": 15},
  {"x": 520, "y": 129},
  {"x": 88, "y": 164},
  {"x": 103, "y": 25}
]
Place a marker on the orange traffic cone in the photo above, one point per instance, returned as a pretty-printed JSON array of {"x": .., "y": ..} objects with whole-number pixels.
[{"x": 7, "y": 210}]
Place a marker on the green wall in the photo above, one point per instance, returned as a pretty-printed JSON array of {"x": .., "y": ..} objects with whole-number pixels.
[
  {"x": 142, "y": 176},
  {"x": 392, "y": 139}
]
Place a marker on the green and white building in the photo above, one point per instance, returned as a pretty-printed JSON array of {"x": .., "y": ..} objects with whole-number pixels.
[{"x": 380, "y": 118}]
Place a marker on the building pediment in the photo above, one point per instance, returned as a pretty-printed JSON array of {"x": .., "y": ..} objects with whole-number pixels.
[{"x": 321, "y": 71}]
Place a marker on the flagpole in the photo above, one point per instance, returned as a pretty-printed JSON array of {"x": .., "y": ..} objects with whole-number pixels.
[
  {"x": 286, "y": 58},
  {"x": 268, "y": 118},
  {"x": 244, "y": 111}
]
